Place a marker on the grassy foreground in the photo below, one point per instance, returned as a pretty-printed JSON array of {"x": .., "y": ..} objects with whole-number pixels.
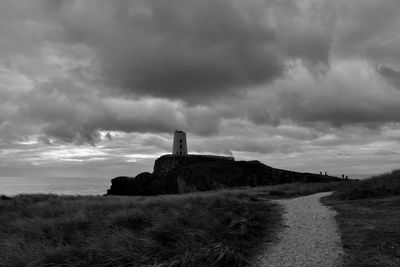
[
  {"x": 369, "y": 220},
  {"x": 202, "y": 229}
]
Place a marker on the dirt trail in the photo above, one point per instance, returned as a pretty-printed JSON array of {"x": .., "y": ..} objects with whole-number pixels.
[{"x": 309, "y": 238}]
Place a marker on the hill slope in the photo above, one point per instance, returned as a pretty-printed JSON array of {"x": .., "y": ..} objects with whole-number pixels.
[
  {"x": 184, "y": 174},
  {"x": 384, "y": 185}
]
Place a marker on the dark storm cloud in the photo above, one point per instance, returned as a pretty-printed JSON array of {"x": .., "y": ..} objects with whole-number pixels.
[
  {"x": 391, "y": 75},
  {"x": 153, "y": 66},
  {"x": 176, "y": 49},
  {"x": 344, "y": 96},
  {"x": 369, "y": 29},
  {"x": 193, "y": 50},
  {"x": 189, "y": 51},
  {"x": 69, "y": 113},
  {"x": 342, "y": 111},
  {"x": 81, "y": 122}
]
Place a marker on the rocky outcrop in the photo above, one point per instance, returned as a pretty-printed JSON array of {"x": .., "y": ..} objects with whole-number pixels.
[{"x": 183, "y": 174}]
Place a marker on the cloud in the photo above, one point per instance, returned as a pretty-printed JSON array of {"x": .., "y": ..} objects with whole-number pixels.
[
  {"x": 391, "y": 75},
  {"x": 65, "y": 111},
  {"x": 368, "y": 29},
  {"x": 352, "y": 92},
  {"x": 180, "y": 49},
  {"x": 276, "y": 80},
  {"x": 196, "y": 51}
]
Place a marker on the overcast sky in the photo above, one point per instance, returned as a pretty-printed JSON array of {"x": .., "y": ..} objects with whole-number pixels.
[{"x": 97, "y": 87}]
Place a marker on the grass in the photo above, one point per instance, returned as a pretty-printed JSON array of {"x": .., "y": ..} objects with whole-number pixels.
[
  {"x": 221, "y": 228},
  {"x": 369, "y": 220},
  {"x": 200, "y": 229},
  {"x": 288, "y": 190},
  {"x": 384, "y": 185},
  {"x": 296, "y": 189}
]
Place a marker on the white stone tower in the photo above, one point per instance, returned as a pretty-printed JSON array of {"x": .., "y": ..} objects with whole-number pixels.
[{"x": 179, "y": 147}]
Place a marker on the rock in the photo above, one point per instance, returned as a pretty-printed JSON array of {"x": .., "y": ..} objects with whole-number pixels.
[
  {"x": 3, "y": 197},
  {"x": 130, "y": 186},
  {"x": 191, "y": 173}
]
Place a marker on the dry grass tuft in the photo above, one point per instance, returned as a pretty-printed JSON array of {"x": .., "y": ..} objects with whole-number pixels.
[{"x": 201, "y": 229}]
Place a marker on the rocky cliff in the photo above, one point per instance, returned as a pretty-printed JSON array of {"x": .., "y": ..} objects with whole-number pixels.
[{"x": 183, "y": 174}]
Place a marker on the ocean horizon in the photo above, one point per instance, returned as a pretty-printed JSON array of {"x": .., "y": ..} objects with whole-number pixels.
[{"x": 11, "y": 186}]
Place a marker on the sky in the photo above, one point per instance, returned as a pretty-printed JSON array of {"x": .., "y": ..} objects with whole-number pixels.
[{"x": 96, "y": 88}]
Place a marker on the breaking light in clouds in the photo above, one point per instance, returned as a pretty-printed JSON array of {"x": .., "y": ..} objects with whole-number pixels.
[{"x": 93, "y": 88}]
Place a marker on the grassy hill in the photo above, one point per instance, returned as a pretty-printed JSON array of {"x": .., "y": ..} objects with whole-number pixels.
[
  {"x": 369, "y": 219},
  {"x": 384, "y": 185},
  {"x": 207, "y": 229}
]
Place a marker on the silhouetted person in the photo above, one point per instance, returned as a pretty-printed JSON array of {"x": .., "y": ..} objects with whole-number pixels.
[
  {"x": 342, "y": 176},
  {"x": 347, "y": 177},
  {"x": 320, "y": 173}
]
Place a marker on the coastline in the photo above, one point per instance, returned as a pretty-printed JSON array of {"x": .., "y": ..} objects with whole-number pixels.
[{"x": 83, "y": 186}]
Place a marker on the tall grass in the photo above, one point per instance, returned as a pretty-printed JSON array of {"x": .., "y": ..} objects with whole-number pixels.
[
  {"x": 202, "y": 229},
  {"x": 297, "y": 189},
  {"x": 384, "y": 185},
  {"x": 369, "y": 218},
  {"x": 288, "y": 190}
]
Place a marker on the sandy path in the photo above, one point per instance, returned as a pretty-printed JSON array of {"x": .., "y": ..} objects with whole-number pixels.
[{"x": 309, "y": 238}]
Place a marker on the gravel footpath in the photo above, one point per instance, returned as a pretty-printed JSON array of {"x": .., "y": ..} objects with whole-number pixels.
[{"x": 309, "y": 238}]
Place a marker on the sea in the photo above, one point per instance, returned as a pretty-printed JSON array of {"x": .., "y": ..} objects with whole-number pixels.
[{"x": 11, "y": 186}]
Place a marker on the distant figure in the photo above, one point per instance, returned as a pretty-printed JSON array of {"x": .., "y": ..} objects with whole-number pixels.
[
  {"x": 342, "y": 176},
  {"x": 179, "y": 146},
  {"x": 347, "y": 177},
  {"x": 326, "y": 173},
  {"x": 320, "y": 173}
]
